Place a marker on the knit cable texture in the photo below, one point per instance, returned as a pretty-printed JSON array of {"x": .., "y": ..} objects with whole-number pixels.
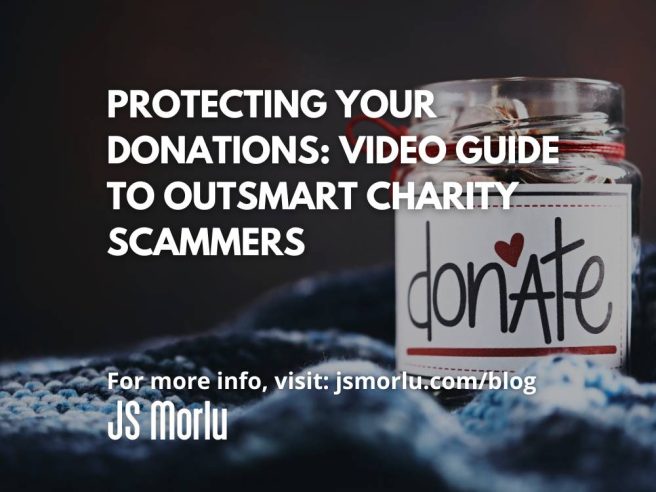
[{"x": 586, "y": 428}]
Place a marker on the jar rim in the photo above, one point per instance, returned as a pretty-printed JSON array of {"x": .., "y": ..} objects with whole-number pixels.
[
  {"x": 523, "y": 78},
  {"x": 572, "y": 107}
]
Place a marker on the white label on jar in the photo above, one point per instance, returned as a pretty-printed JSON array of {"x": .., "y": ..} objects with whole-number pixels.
[{"x": 491, "y": 290}]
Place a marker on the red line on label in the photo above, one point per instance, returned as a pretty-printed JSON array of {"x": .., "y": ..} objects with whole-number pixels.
[{"x": 511, "y": 352}]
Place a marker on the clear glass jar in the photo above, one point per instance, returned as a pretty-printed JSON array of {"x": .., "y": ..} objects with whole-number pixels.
[{"x": 580, "y": 198}]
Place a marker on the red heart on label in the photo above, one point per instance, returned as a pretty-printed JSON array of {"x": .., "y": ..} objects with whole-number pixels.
[{"x": 510, "y": 253}]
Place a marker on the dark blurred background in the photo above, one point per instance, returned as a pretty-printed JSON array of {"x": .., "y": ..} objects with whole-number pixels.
[{"x": 61, "y": 292}]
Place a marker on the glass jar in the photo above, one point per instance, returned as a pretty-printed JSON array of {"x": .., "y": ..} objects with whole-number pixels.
[{"x": 482, "y": 291}]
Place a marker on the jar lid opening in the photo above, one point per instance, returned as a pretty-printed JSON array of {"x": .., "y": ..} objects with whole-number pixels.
[{"x": 571, "y": 107}]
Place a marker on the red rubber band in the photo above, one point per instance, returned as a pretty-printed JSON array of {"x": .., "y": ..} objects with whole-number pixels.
[{"x": 610, "y": 150}]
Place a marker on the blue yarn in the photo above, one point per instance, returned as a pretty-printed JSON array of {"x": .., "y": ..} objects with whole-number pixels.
[{"x": 586, "y": 428}]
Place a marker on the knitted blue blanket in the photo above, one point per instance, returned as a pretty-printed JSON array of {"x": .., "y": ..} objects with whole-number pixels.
[{"x": 586, "y": 428}]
